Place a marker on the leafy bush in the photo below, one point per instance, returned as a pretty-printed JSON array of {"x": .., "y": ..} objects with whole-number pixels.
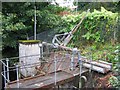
[
  {"x": 97, "y": 27},
  {"x": 18, "y": 24},
  {"x": 114, "y": 81},
  {"x": 55, "y": 9}
]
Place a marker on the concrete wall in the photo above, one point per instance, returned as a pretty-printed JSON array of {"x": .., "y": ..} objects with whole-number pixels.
[{"x": 27, "y": 50}]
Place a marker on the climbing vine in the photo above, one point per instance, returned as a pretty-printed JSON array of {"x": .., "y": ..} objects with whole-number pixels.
[{"x": 97, "y": 27}]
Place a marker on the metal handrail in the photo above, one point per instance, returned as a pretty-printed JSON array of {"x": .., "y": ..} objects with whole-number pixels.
[
  {"x": 4, "y": 77},
  {"x": 24, "y": 56},
  {"x": 37, "y": 63},
  {"x": 29, "y": 65}
]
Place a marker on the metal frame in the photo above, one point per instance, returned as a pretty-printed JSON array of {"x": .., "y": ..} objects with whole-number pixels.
[
  {"x": 53, "y": 61},
  {"x": 5, "y": 72}
]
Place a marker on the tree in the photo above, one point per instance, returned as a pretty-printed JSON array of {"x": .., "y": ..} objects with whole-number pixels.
[{"x": 18, "y": 23}]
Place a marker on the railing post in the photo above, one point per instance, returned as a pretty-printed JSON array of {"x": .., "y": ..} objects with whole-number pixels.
[
  {"x": 91, "y": 68},
  {"x": 80, "y": 66},
  {"x": 42, "y": 50},
  {"x": 55, "y": 69},
  {"x": 8, "y": 69},
  {"x": 17, "y": 72},
  {"x": 72, "y": 61},
  {"x": 4, "y": 74},
  {"x": 74, "y": 51},
  {"x": 91, "y": 60}
]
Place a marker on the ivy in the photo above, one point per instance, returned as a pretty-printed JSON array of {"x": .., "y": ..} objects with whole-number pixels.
[{"x": 95, "y": 28}]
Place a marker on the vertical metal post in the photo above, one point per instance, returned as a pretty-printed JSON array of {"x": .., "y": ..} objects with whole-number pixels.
[
  {"x": 72, "y": 61},
  {"x": 80, "y": 65},
  {"x": 17, "y": 71},
  {"x": 91, "y": 80},
  {"x": 55, "y": 69},
  {"x": 35, "y": 24},
  {"x": 76, "y": 5},
  {"x": 47, "y": 48},
  {"x": 48, "y": 52},
  {"x": 7, "y": 69},
  {"x": 74, "y": 51},
  {"x": 91, "y": 61},
  {"x": 42, "y": 51},
  {"x": 4, "y": 74}
]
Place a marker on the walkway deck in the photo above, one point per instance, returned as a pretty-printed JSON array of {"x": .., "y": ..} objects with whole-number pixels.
[
  {"x": 63, "y": 74},
  {"x": 46, "y": 81}
]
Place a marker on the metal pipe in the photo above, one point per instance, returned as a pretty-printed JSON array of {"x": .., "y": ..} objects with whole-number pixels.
[
  {"x": 48, "y": 51},
  {"x": 42, "y": 51},
  {"x": 84, "y": 77},
  {"x": 3, "y": 63},
  {"x": 55, "y": 69},
  {"x": 4, "y": 75},
  {"x": 35, "y": 24},
  {"x": 74, "y": 51},
  {"x": 7, "y": 69},
  {"x": 91, "y": 68},
  {"x": 91, "y": 61},
  {"x": 76, "y": 5},
  {"x": 20, "y": 57},
  {"x": 17, "y": 71},
  {"x": 80, "y": 65},
  {"x": 72, "y": 61},
  {"x": 33, "y": 55}
]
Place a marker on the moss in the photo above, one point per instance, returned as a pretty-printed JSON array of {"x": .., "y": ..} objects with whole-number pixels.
[{"x": 29, "y": 41}]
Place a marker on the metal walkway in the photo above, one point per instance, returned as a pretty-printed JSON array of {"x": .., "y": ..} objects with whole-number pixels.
[
  {"x": 45, "y": 81},
  {"x": 59, "y": 70}
]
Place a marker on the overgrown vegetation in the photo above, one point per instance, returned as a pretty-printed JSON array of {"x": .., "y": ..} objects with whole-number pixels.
[
  {"x": 98, "y": 34},
  {"x": 115, "y": 80},
  {"x": 18, "y": 24},
  {"x": 99, "y": 26}
]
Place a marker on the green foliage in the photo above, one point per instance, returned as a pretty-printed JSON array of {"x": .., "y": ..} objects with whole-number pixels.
[
  {"x": 101, "y": 51},
  {"x": 114, "y": 81},
  {"x": 18, "y": 23},
  {"x": 112, "y": 6},
  {"x": 54, "y": 9},
  {"x": 97, "y": 27},
  {"x": 70, "y": 21},
  {"x": 46, "y": 20},
  {"x": 11, "y": 30},
  {"x": 110, "y": 54}
]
